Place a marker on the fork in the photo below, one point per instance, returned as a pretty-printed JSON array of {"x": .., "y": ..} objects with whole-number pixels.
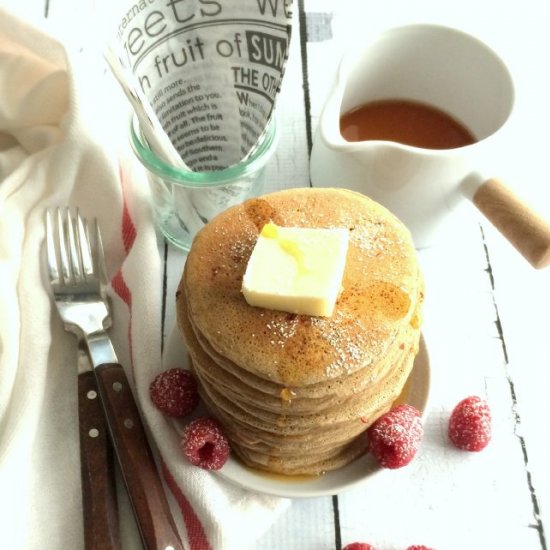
[{"x": 76, "y": 267}]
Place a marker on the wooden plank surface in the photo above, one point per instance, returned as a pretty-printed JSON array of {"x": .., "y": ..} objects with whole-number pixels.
[{"x": 487, "y": 319}]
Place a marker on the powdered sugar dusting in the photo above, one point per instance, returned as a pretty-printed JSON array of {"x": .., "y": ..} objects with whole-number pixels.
[
  {"x": 395, "y": 437},
  {"x": 282, "y": 330},
  {"x": 470, "y": 424},
  {"x": 349, "y": 348}
]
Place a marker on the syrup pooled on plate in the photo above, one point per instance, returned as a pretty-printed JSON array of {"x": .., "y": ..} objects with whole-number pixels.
[{"x": 407, "y": 122}]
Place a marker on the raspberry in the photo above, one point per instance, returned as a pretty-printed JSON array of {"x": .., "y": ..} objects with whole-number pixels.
[
  {"x": 470, "y": 424},
  {"x": 395, "y": 437},
  {"x": 174, "y": 392},
  {"x": 358, "y": 546},
  {"x": 419, "y": 547},
  {"x": 204, "y": 444}
]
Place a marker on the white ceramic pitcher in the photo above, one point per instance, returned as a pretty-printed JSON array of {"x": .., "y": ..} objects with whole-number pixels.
[{"x": 457, "y": 73}]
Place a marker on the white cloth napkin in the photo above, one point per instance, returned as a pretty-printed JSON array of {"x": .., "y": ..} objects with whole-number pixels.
[{"x": 62, "y": 142}]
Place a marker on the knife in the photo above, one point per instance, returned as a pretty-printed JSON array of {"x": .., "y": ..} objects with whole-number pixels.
[{"x": 97, "y": 465}]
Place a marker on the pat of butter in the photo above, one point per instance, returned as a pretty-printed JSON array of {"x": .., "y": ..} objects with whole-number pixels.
[{"x": 296, "y": 269}]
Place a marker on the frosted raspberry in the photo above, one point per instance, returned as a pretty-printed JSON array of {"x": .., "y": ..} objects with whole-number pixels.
[
  {"x": 358, "y": 546},
  {"x": 470, "y": 424},
  {"x": 174, "y": 392},
  {"x": 204, "y": 444},
  {"x": 395, "y": 437},
  {"x": 419, "y": 547}
]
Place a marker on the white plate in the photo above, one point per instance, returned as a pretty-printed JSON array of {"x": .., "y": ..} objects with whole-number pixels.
[{"x": 415, "y": 393}]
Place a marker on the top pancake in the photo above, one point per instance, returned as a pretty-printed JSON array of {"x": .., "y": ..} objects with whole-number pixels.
[{"x": 381, "y": 288}]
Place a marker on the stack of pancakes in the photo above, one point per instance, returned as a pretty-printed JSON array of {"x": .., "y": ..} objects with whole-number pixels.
[{"x": 294, "y": 392}]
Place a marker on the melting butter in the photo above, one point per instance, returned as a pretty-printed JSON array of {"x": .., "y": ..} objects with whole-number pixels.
[
  {"x": 292, "y": 247},
  {"x": 296, "y": 269}
]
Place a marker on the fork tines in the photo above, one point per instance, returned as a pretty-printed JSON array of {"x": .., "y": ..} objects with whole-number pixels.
[{"x": 69, "y": 250}]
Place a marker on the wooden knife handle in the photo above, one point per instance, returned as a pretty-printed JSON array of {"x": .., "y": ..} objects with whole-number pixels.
[
  {"x": 525, "y": 229},
  {"x": 151, "y": 509},
  {"x": 97, "y": 468}
]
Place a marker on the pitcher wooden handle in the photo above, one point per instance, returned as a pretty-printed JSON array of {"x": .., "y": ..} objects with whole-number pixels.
[
  {"x": 156, "y": 524},
  {"x": 526, "y": 230}
]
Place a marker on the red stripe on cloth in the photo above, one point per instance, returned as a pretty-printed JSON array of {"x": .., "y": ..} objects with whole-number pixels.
[
  {"x": 121, "y": 288},
  {"x": 128, "y": 227},
  {"x": 195, "y": 531}
]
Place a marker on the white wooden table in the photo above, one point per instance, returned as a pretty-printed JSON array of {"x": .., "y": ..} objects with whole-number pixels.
[{"x": 487, "y": 317}]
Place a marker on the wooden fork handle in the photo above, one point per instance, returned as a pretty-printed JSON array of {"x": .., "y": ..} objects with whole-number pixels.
[
  {"x": 100, "y": 510},
  {"x": 151, "y": 509}
]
